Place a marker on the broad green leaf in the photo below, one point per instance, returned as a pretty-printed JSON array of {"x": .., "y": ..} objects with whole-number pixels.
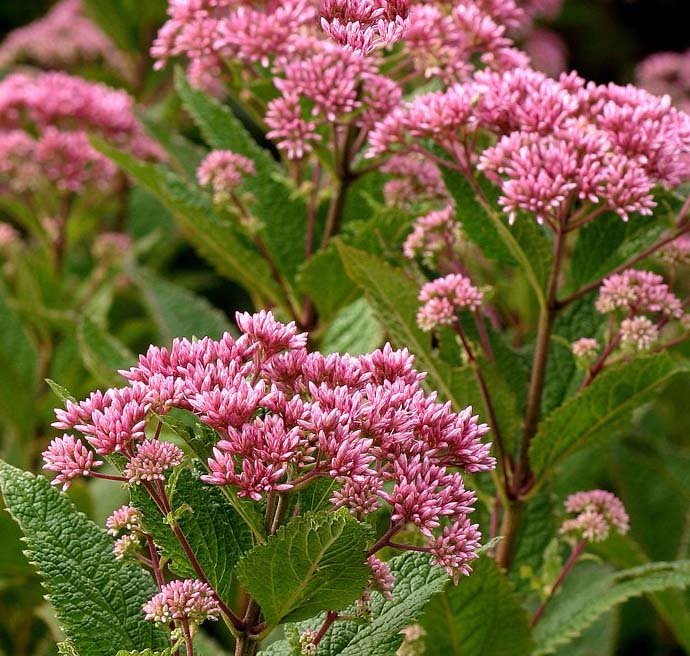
[
  {"x": 624, "y": 552},
  {"x": 601, "y": 409},
  {"x": 98, "y": 600},
  {"x": 19, "y": 360},
  {"x": 599, "y": 639},
  {"x": 524, "y": 243},
  {"x": 354, "y": 330},
  {"x": 567, "y": 616},
  {"x": 607, "y": 242},
  {"x": 103, "y": 355},
  {"x": 177, "y": 311},
  {"x": 416, "y": 581},
  {"x": 314, "y": 563},
  {"x": 216, "y": 238},
  {"x": 283, "y": 214},
  {"x": 481, "y": 616},
  {"x": 212, "y": 527},
  {"x": 393, "y": 298}
]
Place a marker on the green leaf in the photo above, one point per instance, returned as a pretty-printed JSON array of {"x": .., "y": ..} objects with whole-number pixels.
[
  {"x": 103, "y": 355},
  {"x": 567, "y": 616},
  {"x": 282, "y": 214},
  {"x": 146, "y": 652},
  {"x": 314, "y": 563},
  {"x": 66, "y": 648},
  {"x": 19, "y": 362},
  {"x": 98, "y": 601},
  {"x": 354, "y": 330},
  {"x": 624, "y": 552},
  {"x": 601, "y": 409},
  {"x": 216, "y": 238},
  {"x": 607, "y": 242},
  {"x": 215, "y": 531},
  {"x": 481, "y": 616},
  {"x": 177, "y": 311},
  {"x": 61, "y": 392},
  {"x": 393, "y": 298},
  {"x": 524, "y": 243},
  {"x": 416, "y": 581}
]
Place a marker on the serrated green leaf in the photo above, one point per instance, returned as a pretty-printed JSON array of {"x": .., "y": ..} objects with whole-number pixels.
[
  {"x": 314, "y": 563},
  {"x": 217, "y": 239},
  {"x": 601, "y": 409},
  {"x": 66, "y": 648},
  {"x": 524, "y": 243},
  {"x": 103, "y": 355},
  {"x": 354, "y": 330},
  {"x": 215, "y": 531},
  {"x": 146, "y": 652},
  {"x": 98, "y": 601},
  {"x": 607, "y": 242},
  {"x": 177, "y": 311},
  {"x": 282, "y": 214},
  {"x": 567, "y": 616},
  {"x": 416, "y": 581},
  {"x": 481, "y": 616}
]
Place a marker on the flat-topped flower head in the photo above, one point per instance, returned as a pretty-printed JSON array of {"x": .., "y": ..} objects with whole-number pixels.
[
  {"x": 596, "y": 512},
  {"x": 125, "y": 518},
  {"x": 223, "y": 170},
  {"x": 70, "y": 458},
  {"x": 638, "y": 292},
  {"x": 282, "y": 417},
  {"x": 190, "y": 600},
  {"x": 444, "y": 298}
]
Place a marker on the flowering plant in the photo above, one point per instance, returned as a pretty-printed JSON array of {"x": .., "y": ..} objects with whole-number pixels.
[{"x": 468, "y": 280}]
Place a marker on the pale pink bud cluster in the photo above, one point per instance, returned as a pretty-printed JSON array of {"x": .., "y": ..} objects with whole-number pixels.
[
  {"x": 362, "y": 25},
  {"x": 125, "y": 518},
  {"x": 9, "y": 236},
  {"x": 415, "y": 181},
  {"x": 638, "y": 292},
  {"x": 677, "y": 252},
  {"x": 188, "y": 600},
  {"x": 223, "y": 170},
  {"x": 433, "y": 236},
  {"x": 585, "y": 348},
  {"x": 44, "y": 124},
  {"x": 63, "y": 38},
  {"x": 443, "y": 298},
  {"x": 596, "y": 513},
  {"x": 285, "y": 417},
  {"x": 638, "y": 333}
]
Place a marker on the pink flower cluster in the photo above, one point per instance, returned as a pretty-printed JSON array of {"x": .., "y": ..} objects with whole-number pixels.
[
  {"x": 44, "y": 123},
  {"x": 668, "y": 74},
  {"x": 286, "y": 417},
  {"x": 414, "y": 181},
  {"x": 677, "y": 252},
  {"x": 189, "y": 600},
  {"x": 565, "y": 147},
  {"x": 361, "y": 25},
  {"x": 596, "y": 513},
  {"x": 443, "y": 298},
  {"x": 434, "y": 236},
  {"x": 638, "y": 292},
  {"x": 63, "y": 38},
  {"x": 223, "y": 170}
]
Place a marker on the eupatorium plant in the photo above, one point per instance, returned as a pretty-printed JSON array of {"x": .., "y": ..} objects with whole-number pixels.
[{"x": 377, "y": 172}]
